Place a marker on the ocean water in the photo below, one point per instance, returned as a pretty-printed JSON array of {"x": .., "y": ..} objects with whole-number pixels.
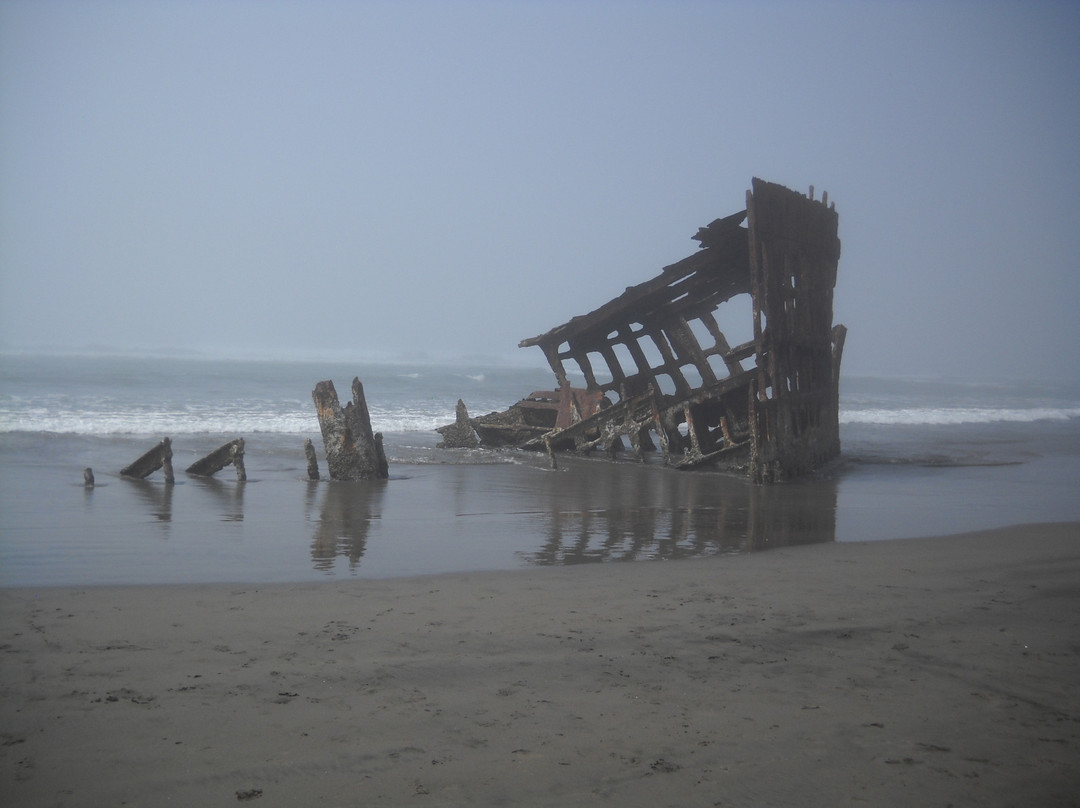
[{"x": 920, "y": 457}]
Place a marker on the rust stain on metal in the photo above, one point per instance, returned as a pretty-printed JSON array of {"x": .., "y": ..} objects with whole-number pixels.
[{"x": 659, "y": 370}]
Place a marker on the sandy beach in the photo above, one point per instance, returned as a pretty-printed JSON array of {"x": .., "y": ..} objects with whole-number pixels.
[{"x": 927, "y": 672}]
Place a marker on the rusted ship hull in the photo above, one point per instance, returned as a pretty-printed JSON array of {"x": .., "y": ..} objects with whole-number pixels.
[{"x": 768, "y": 406}]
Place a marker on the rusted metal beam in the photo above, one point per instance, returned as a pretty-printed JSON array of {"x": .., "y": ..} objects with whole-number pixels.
[
  {"x": 160, "y": 457},
  {"x": 312, "y": 461},
  {"x": 231, "y": 453}
]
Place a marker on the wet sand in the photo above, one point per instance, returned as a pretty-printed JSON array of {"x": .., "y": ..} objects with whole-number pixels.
[{"x": 916, "y": 672}]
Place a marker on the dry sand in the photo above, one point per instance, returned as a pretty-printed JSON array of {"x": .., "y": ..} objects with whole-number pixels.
[{"x": 924, "y": 672}]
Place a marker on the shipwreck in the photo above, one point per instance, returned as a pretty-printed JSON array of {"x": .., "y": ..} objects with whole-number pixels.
[{"x": 659, "y": 371}]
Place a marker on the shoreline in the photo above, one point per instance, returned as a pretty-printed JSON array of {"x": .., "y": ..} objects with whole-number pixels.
[{"x": 908, "y": 671}]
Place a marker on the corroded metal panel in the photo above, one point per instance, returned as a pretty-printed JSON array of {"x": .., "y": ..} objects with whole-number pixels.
[{"x": 794, "y": 252}]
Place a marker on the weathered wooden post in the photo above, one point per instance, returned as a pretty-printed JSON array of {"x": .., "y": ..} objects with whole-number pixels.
[
  {"x": 352, "y": 451},
  {"x": 231, "y": 452},
  {"x": 312, "y": 460},
  {"x": 160, "y": 457}
]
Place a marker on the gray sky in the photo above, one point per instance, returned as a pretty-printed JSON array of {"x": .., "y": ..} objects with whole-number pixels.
[{"x": 443, "y": 179}]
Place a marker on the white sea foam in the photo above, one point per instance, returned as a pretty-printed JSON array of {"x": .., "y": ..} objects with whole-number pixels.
[
  {"x": 154, "y": 423},
  {"x": 196, "y": 421},
  {"x": 957, "y": 415},
  {"x": 254, "y": 419},
  {"x": 407, "y": 419}
]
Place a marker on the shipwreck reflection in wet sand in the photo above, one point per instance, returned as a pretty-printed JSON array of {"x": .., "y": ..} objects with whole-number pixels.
[
  {"x": 230, "y": 496},
  {"x": 669, "y": 515},
  {"x": 345, "y": 520},
  {"x": 158, "y": 496}
]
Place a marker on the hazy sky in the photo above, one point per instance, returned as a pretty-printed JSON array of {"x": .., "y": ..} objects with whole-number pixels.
[{"x": 407, "y": 179}]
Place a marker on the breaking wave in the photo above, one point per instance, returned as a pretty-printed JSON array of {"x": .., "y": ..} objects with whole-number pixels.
[
  {"x": 253, "y": 419},
  {"x": 194, "y": 422},
  {"x": 957, "y": 415}
]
